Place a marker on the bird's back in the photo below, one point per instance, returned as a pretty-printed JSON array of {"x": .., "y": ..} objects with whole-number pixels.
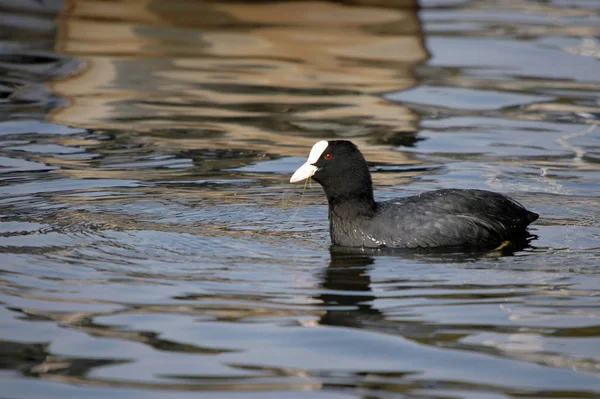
[{"x": 474, "y": 218}]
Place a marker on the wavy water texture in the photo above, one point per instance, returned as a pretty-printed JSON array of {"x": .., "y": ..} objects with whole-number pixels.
[{"x": 151, "y": 245}]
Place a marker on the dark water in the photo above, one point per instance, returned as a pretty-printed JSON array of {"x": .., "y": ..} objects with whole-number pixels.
[{"x": 151, "y": 245}]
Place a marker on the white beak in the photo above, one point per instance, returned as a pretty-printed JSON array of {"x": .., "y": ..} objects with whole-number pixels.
[
  {"x": 308, "y": 169},
  {"x": 303, "y": 172}
]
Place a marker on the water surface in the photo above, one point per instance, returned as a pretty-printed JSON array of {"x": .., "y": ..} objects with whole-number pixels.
[{"x": 151, "y": 245}]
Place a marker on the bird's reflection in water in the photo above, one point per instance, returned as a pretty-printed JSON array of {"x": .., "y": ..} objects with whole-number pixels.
[{"x": 347, "y": 294}]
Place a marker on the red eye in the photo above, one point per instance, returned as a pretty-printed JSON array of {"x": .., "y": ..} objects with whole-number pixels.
[{"x": 328, "y": 156}]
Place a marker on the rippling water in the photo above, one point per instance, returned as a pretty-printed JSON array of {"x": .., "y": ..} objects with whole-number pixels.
[{"x": 151, "y": 245}]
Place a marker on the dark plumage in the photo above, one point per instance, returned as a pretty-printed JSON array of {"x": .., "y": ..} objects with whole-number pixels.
[{"x": 452, "y": 217}]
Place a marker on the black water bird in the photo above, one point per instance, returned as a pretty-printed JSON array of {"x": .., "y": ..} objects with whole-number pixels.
[{"x": 442, "y": 218}]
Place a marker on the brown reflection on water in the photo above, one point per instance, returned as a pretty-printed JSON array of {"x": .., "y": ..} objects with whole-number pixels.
[{"x": 244, "y": 75}]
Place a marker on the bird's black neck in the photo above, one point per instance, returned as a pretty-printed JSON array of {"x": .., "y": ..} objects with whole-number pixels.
[
  {"x": 352, "y": 196},
  {"x": 347, "y": 217},
  {"x": 352, "y": 206}
]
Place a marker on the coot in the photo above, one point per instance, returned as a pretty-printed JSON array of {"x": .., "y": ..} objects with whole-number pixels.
[{"x": 450, "y": 217}]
